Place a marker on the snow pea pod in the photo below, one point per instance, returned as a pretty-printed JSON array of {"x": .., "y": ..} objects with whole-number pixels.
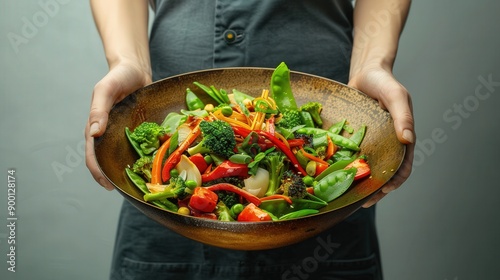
[
  {"x": 280, "y": 207},
  {"x": 307, "y": 120},
  {"x": 141, "y": 185},
  {"x": 334, "y": 184},
  {"x": 341, "y": 164},
  {"x": 357, "y": 138},
  {"x": 172, "y": 121},
  {"x": 210, "y": 92},
  {"x": 281, "y": 90},
  {"x": 298, "y": 214},
  {"x": 192, "y": 101},
  {"x": 337, "y": 127},
  {"x": 337, "y": 139},
  {"x": 134, "y": 144}
]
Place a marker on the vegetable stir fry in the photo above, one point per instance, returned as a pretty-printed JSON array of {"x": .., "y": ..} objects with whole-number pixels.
[{"x": 246, "y": 159}]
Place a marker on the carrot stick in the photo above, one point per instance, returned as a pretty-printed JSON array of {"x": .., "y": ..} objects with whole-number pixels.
[
  {"x": 277, "y": 196},
  {"x": 157, "y": 161},
  {"x": 312, "y": 157}
]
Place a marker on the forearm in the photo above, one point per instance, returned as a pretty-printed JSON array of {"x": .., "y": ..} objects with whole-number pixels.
[
  {"x": 377, "y": 28},
  {"x": 123, "y": 27}
]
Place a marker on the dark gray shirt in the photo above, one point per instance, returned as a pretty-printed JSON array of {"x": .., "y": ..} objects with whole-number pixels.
[{"x": 312, "y": 36}]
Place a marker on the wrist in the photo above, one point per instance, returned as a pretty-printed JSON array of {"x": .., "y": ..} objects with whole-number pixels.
[{"x": 372, "y": 56}]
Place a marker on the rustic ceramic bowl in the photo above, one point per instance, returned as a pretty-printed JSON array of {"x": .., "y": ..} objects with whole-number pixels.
[{"x": 154, "y": 102}]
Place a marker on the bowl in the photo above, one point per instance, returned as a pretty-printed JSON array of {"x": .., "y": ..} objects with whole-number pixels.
[{"x": 153, "y": 102}]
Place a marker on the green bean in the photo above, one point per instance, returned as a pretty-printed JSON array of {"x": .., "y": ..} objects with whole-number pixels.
[{"x": 240, "y": 158}]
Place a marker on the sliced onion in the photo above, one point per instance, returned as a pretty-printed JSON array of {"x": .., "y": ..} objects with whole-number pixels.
[
  {"x": 188, "y": 169},
  {"x": 258, "y": 183}
]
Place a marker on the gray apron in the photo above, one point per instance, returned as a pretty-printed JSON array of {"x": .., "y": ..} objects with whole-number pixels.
[{"x": 312, "y": 36}]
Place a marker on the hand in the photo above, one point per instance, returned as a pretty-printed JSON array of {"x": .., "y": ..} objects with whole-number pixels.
[
  {"x": 381, "y": 85},
  {"x": 120, "y": 81}
]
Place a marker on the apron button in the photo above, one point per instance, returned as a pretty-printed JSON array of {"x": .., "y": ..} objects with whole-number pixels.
[{"x": 230, "y": 36}]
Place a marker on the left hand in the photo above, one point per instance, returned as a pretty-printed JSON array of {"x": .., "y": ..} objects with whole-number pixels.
[{"x": 381, "y": 85}]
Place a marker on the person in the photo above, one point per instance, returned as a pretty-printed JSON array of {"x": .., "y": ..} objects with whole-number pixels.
[{"x": 351, "y": 43}]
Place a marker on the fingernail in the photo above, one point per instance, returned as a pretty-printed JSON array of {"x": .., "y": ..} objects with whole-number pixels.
[
  {"x": 408, "y": 136},
  {"x": 94, "y": 129}
]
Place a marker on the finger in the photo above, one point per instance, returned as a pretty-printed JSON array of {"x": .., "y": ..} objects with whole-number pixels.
[
  {"x": 91, "y": 162},
  {"x": 102, "y": 102},
  {"x": 398, "y": 102}
]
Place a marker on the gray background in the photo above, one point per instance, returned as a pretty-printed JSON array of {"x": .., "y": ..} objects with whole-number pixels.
[{"x": 443, "y": 224}]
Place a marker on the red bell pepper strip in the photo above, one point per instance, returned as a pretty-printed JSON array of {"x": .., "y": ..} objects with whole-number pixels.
[
  {"x": 232, "y": 188},
  {"x": 175, "y": 157},
  {"x": 277, "y": 196},
  {"x": 226, "y": 169},
  {"x": 203, "y": 200},
  {"x": 280, "y": 145},
  {"x": 252, "y": 213},
  {"x": 199, "y": 161},
  {"x": 363, "y": 169},
  {"x": 296, "y": 143}
]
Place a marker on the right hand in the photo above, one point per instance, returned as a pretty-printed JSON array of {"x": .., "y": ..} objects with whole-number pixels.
[{"x": 121, "y": 80}]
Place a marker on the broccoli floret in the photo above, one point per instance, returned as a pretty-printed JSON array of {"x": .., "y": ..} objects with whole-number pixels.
[
  {"x": 290, "y": 119},
  {"x": 228, "y": 198},
  {"x": 275, "y": 163},
  {"x": 143, "y": 166},
  {"x": 292, "y": 185},
  {"x": 314, "y": 108},
  {"x": 175, "y": 189},
  {"x": 308, "y": 139},
  {"x": 223, "y": 213},
  {"x": 147, "y": 135},
  {"x": 218, "y": 138},
  {"x": 237, "y": 181}
]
